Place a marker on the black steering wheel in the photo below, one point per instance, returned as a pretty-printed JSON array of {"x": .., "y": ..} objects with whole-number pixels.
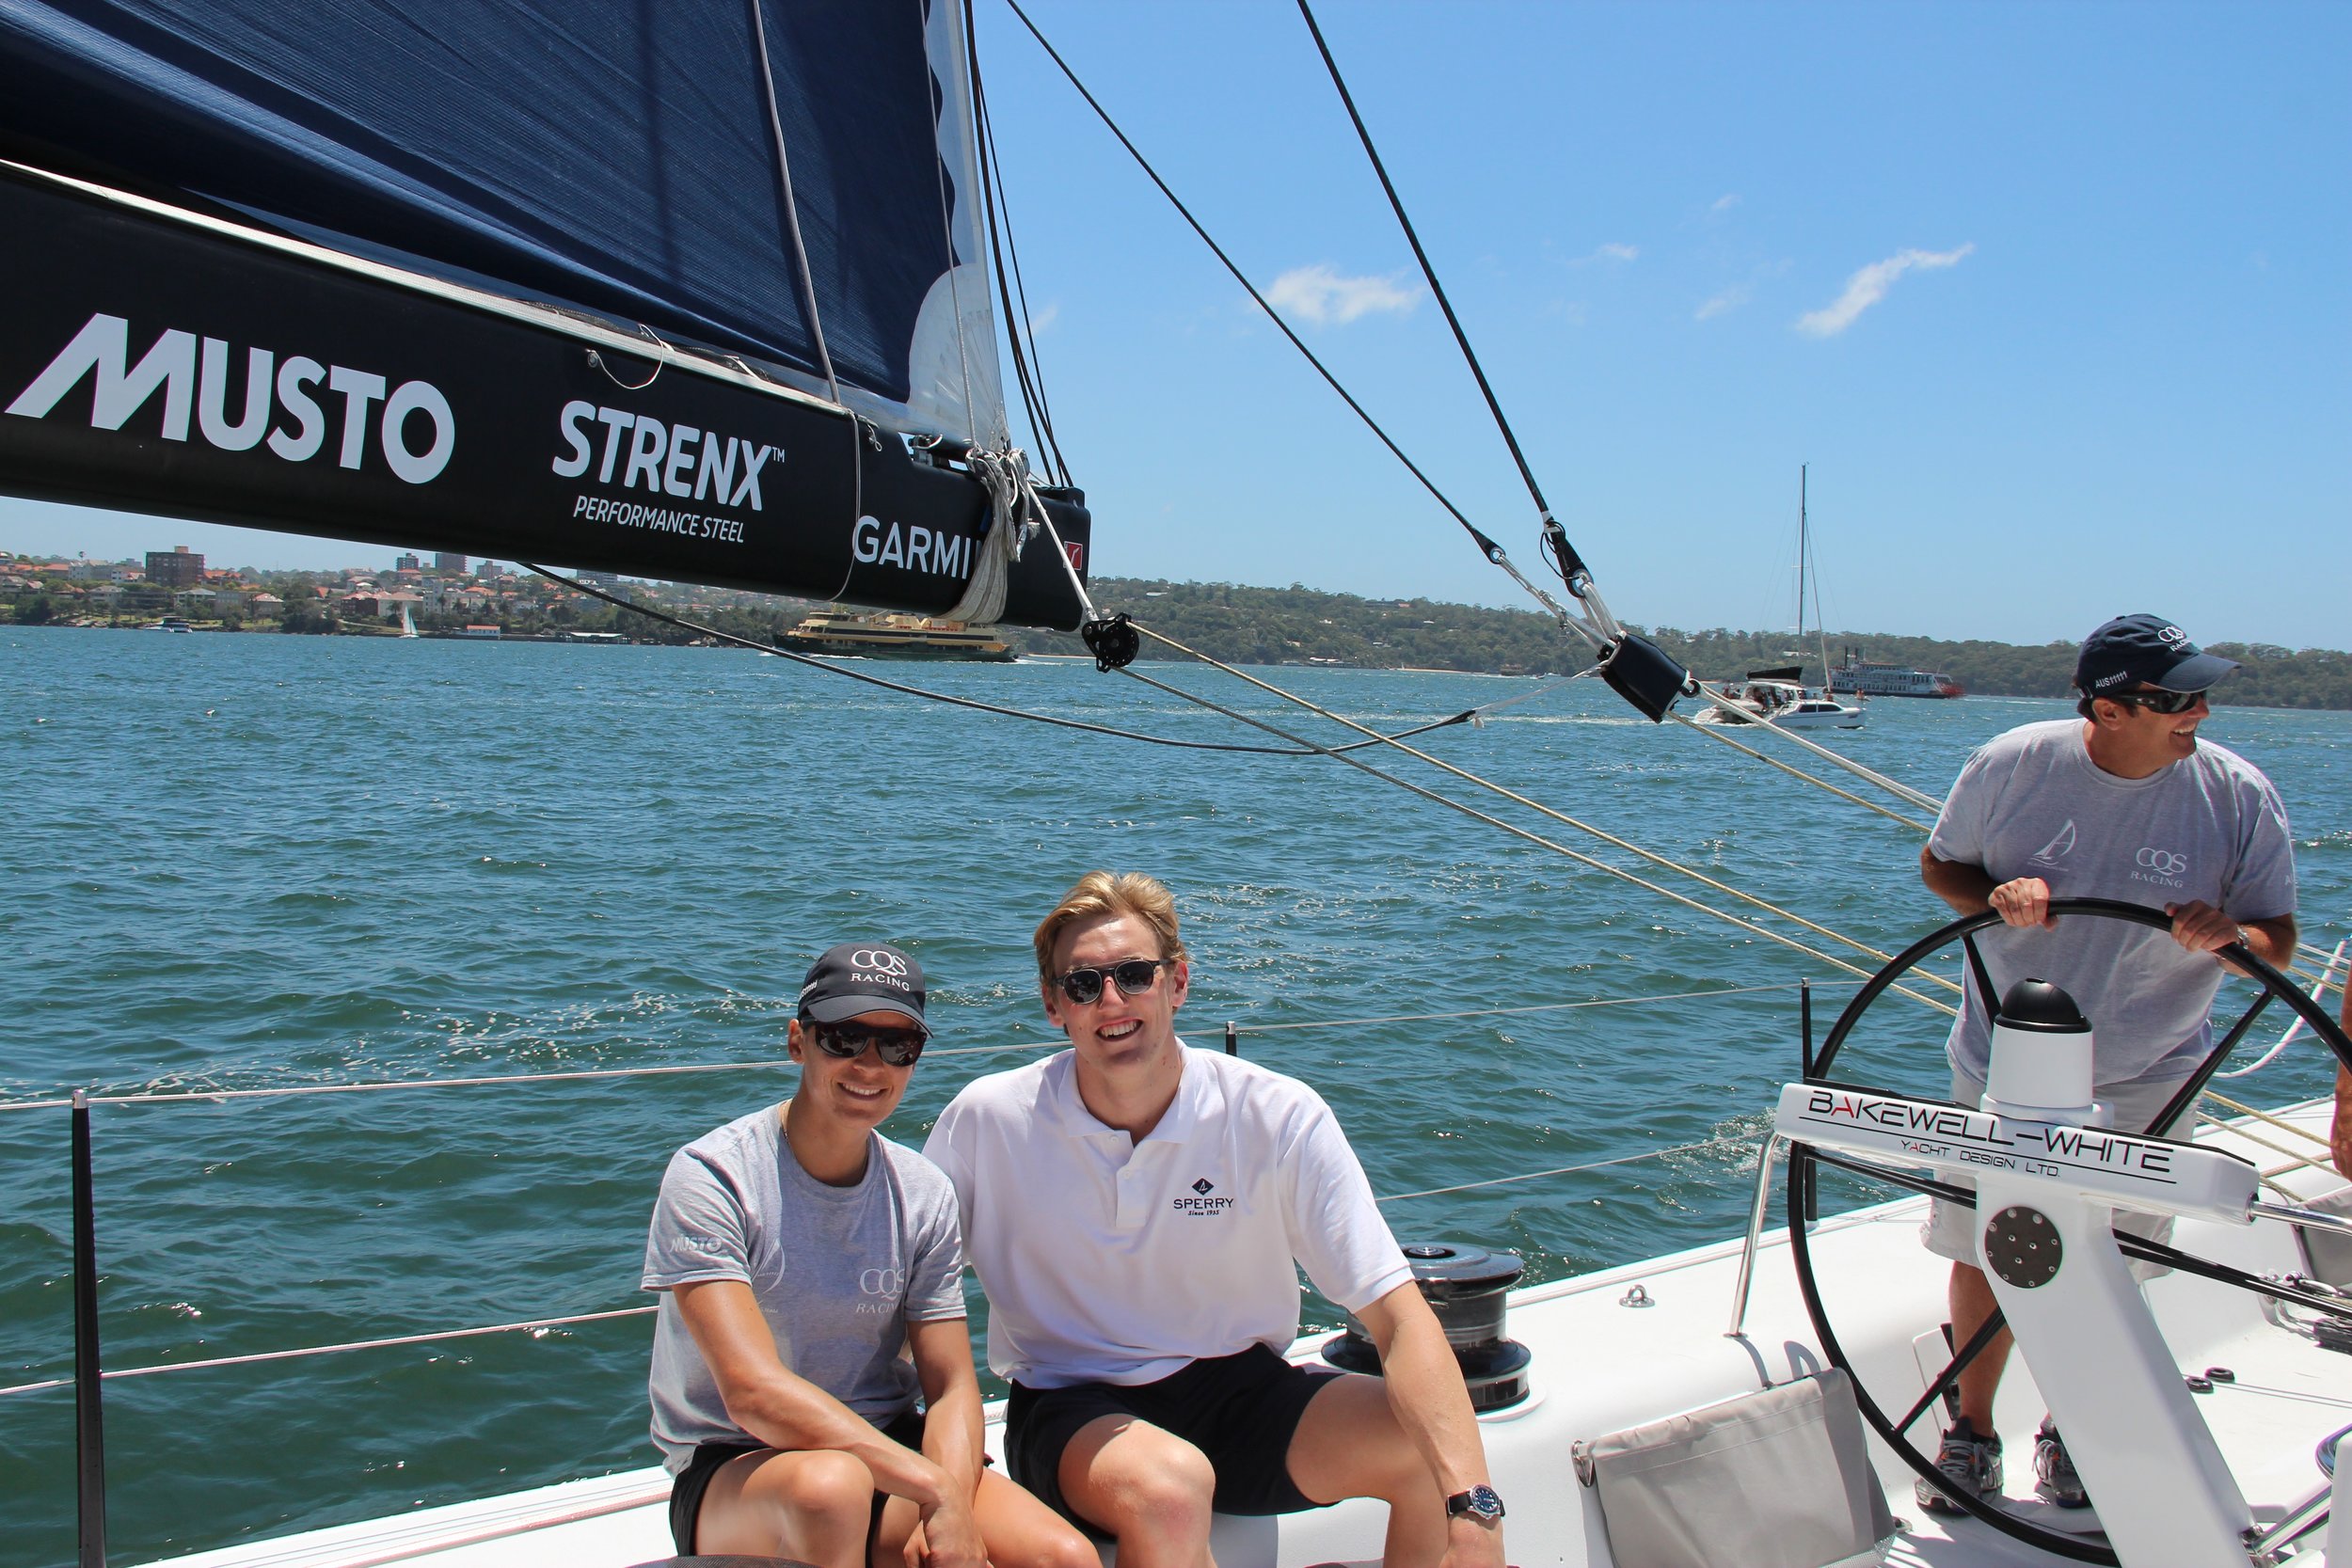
[{"x": 1804, "y": 1159}]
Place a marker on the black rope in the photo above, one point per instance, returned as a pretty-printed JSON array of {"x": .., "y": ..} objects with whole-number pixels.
[
  {"x": 1396, "y": 204},
  {"x": 1009, "y": 280},
  {"x": 1493, "y": 551},
  {"x": 1301, "y": 750}
]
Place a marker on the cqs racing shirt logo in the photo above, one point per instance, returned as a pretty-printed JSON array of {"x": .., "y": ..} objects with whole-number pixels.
[{"x": 2163, "y": 867}]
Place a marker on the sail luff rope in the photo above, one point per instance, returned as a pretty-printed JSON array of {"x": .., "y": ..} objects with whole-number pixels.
[
  {"x": 955, "y": 288},
  {"x": 1655, "y": 859},
  {"x": 1010, "y": 281},
  {"x": 1528, "y": 835},
  {"x": 699, "y": 629},
  {"x": 801, "y": 278},
  {"x": 1492, "y": 550}
]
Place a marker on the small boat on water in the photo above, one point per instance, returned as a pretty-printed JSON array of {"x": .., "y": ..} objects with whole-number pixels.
[
  {"x": 845, "y": 635},
  {"x": 1778, "y": 697}
]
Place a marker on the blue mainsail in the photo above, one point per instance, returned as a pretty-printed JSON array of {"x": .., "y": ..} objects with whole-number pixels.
[{"x": 613, "y": 156}]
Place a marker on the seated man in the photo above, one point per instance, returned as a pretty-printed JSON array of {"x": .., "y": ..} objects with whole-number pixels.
[
  {"x": 1137, "y": 1212},
  {"x": 799, "y": 1254}
]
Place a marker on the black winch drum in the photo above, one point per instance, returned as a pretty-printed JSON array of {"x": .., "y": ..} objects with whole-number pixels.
[{"x": 1464, "y": 1286}]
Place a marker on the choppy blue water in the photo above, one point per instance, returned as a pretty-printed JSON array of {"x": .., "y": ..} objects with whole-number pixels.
[{"x": 239, "y": 861}]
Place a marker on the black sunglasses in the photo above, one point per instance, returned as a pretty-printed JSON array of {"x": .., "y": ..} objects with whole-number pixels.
[
  {"x": 2157, "y": 702},
  {"x": 896, "y": 1047},
  {"x": 1132, "y": 976}
]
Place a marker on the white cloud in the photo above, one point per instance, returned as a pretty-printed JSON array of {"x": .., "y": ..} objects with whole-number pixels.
[
  {"x": 1323, "y": 297},
  {"x": 1868, "y": 286},
  {"x": 1615, "y": 252},
  {"x": 1040, "y": 320},
  {"x": 1725, "y": 203},
  {"x": 1730, "y": 299}
]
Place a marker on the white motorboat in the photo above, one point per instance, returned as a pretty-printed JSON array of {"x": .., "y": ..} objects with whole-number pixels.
[{"x": 1777, "y": 698}]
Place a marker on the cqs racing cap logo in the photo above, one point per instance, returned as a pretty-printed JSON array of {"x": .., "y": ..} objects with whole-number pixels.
[{"x": 879, "y": 960}]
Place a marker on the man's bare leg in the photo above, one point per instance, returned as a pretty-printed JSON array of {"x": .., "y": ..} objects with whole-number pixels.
[
  {"x": 1972, "y": 1301},
  {"x": 811, "y": 1505},
  {"x": 1149, "y": 1488},
  {"x": 1349, "y": 1445}
]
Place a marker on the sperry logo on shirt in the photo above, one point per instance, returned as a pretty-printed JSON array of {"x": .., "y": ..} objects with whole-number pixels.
[{"x": 1200, "y": 1202}]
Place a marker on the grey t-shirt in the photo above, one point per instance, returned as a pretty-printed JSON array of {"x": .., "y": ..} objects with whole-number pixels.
[
  {"x": 838, "y": 1271},
  {"x": 2210, "y": 827}
]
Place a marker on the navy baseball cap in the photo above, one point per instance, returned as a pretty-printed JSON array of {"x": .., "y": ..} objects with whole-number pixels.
[
  {"x": 2144, "y": 650},
  {"x": 858, "y": 977}
]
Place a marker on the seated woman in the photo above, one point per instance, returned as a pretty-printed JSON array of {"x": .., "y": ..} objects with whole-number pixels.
[{"x": 798, "y": 1253}]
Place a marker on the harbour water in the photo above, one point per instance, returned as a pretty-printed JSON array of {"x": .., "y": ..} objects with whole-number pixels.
[{"x": 253, "y": 862}]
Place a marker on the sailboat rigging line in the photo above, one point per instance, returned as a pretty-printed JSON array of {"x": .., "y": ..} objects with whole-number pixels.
[
  {"x": 1660, "y": 861},
  {"x": 1712, "y": 733},
  {"x": 1010, "y": 283},
  {"x": 1516, "y": 831},
  {"x": 1301, "y": 750},
  {"x": 1429, "y": 271},
  {"x": 800, "y": 279},
  {"x": 1896, "y": 788},
  {"x": 1493, "y": 551}
]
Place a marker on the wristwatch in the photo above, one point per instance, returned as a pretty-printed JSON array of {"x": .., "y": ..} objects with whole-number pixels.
[{"x": 1482, "y": 1503}]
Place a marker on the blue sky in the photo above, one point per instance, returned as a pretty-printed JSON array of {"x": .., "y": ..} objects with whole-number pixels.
[{"x": 2053, "y": 299}]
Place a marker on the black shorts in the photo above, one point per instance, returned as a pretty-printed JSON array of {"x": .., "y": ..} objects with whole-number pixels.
[
  {"x": 1240, "y": 1411},
  {"x": 685, "y": 1491}
]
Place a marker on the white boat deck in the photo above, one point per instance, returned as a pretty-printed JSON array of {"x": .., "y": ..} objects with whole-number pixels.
[{"x": 1600, "y": 1365}]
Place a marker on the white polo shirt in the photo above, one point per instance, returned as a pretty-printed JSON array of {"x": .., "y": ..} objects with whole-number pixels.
[{"x": 1107, "y": 1261}]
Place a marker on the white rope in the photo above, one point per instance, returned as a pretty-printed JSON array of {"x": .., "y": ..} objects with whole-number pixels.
[
  {"x": 1014, "y": 513},
  {"x": 2296, "y": 1029},
  {"x": 1901, "y": 791},
  {"x": 1562, "y": 1170}
]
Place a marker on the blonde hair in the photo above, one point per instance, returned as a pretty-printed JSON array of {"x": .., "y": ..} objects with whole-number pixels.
[{"x": 1102, "y": 894}]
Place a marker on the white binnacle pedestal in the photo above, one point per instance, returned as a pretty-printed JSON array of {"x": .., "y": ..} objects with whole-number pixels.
[{"x": 2132, "y": 1428}]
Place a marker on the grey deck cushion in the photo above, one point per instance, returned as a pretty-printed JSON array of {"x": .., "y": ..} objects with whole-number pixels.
[{"x": 1779, "y": 1479}]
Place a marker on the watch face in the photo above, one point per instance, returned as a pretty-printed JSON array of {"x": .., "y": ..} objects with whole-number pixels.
[{"x": 1481, "y": 1502}]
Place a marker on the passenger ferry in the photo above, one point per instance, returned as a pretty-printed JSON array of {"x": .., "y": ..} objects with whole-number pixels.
[
  {"x": 841, "y": 634},
  {"x": 1868, "y": 678}
]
